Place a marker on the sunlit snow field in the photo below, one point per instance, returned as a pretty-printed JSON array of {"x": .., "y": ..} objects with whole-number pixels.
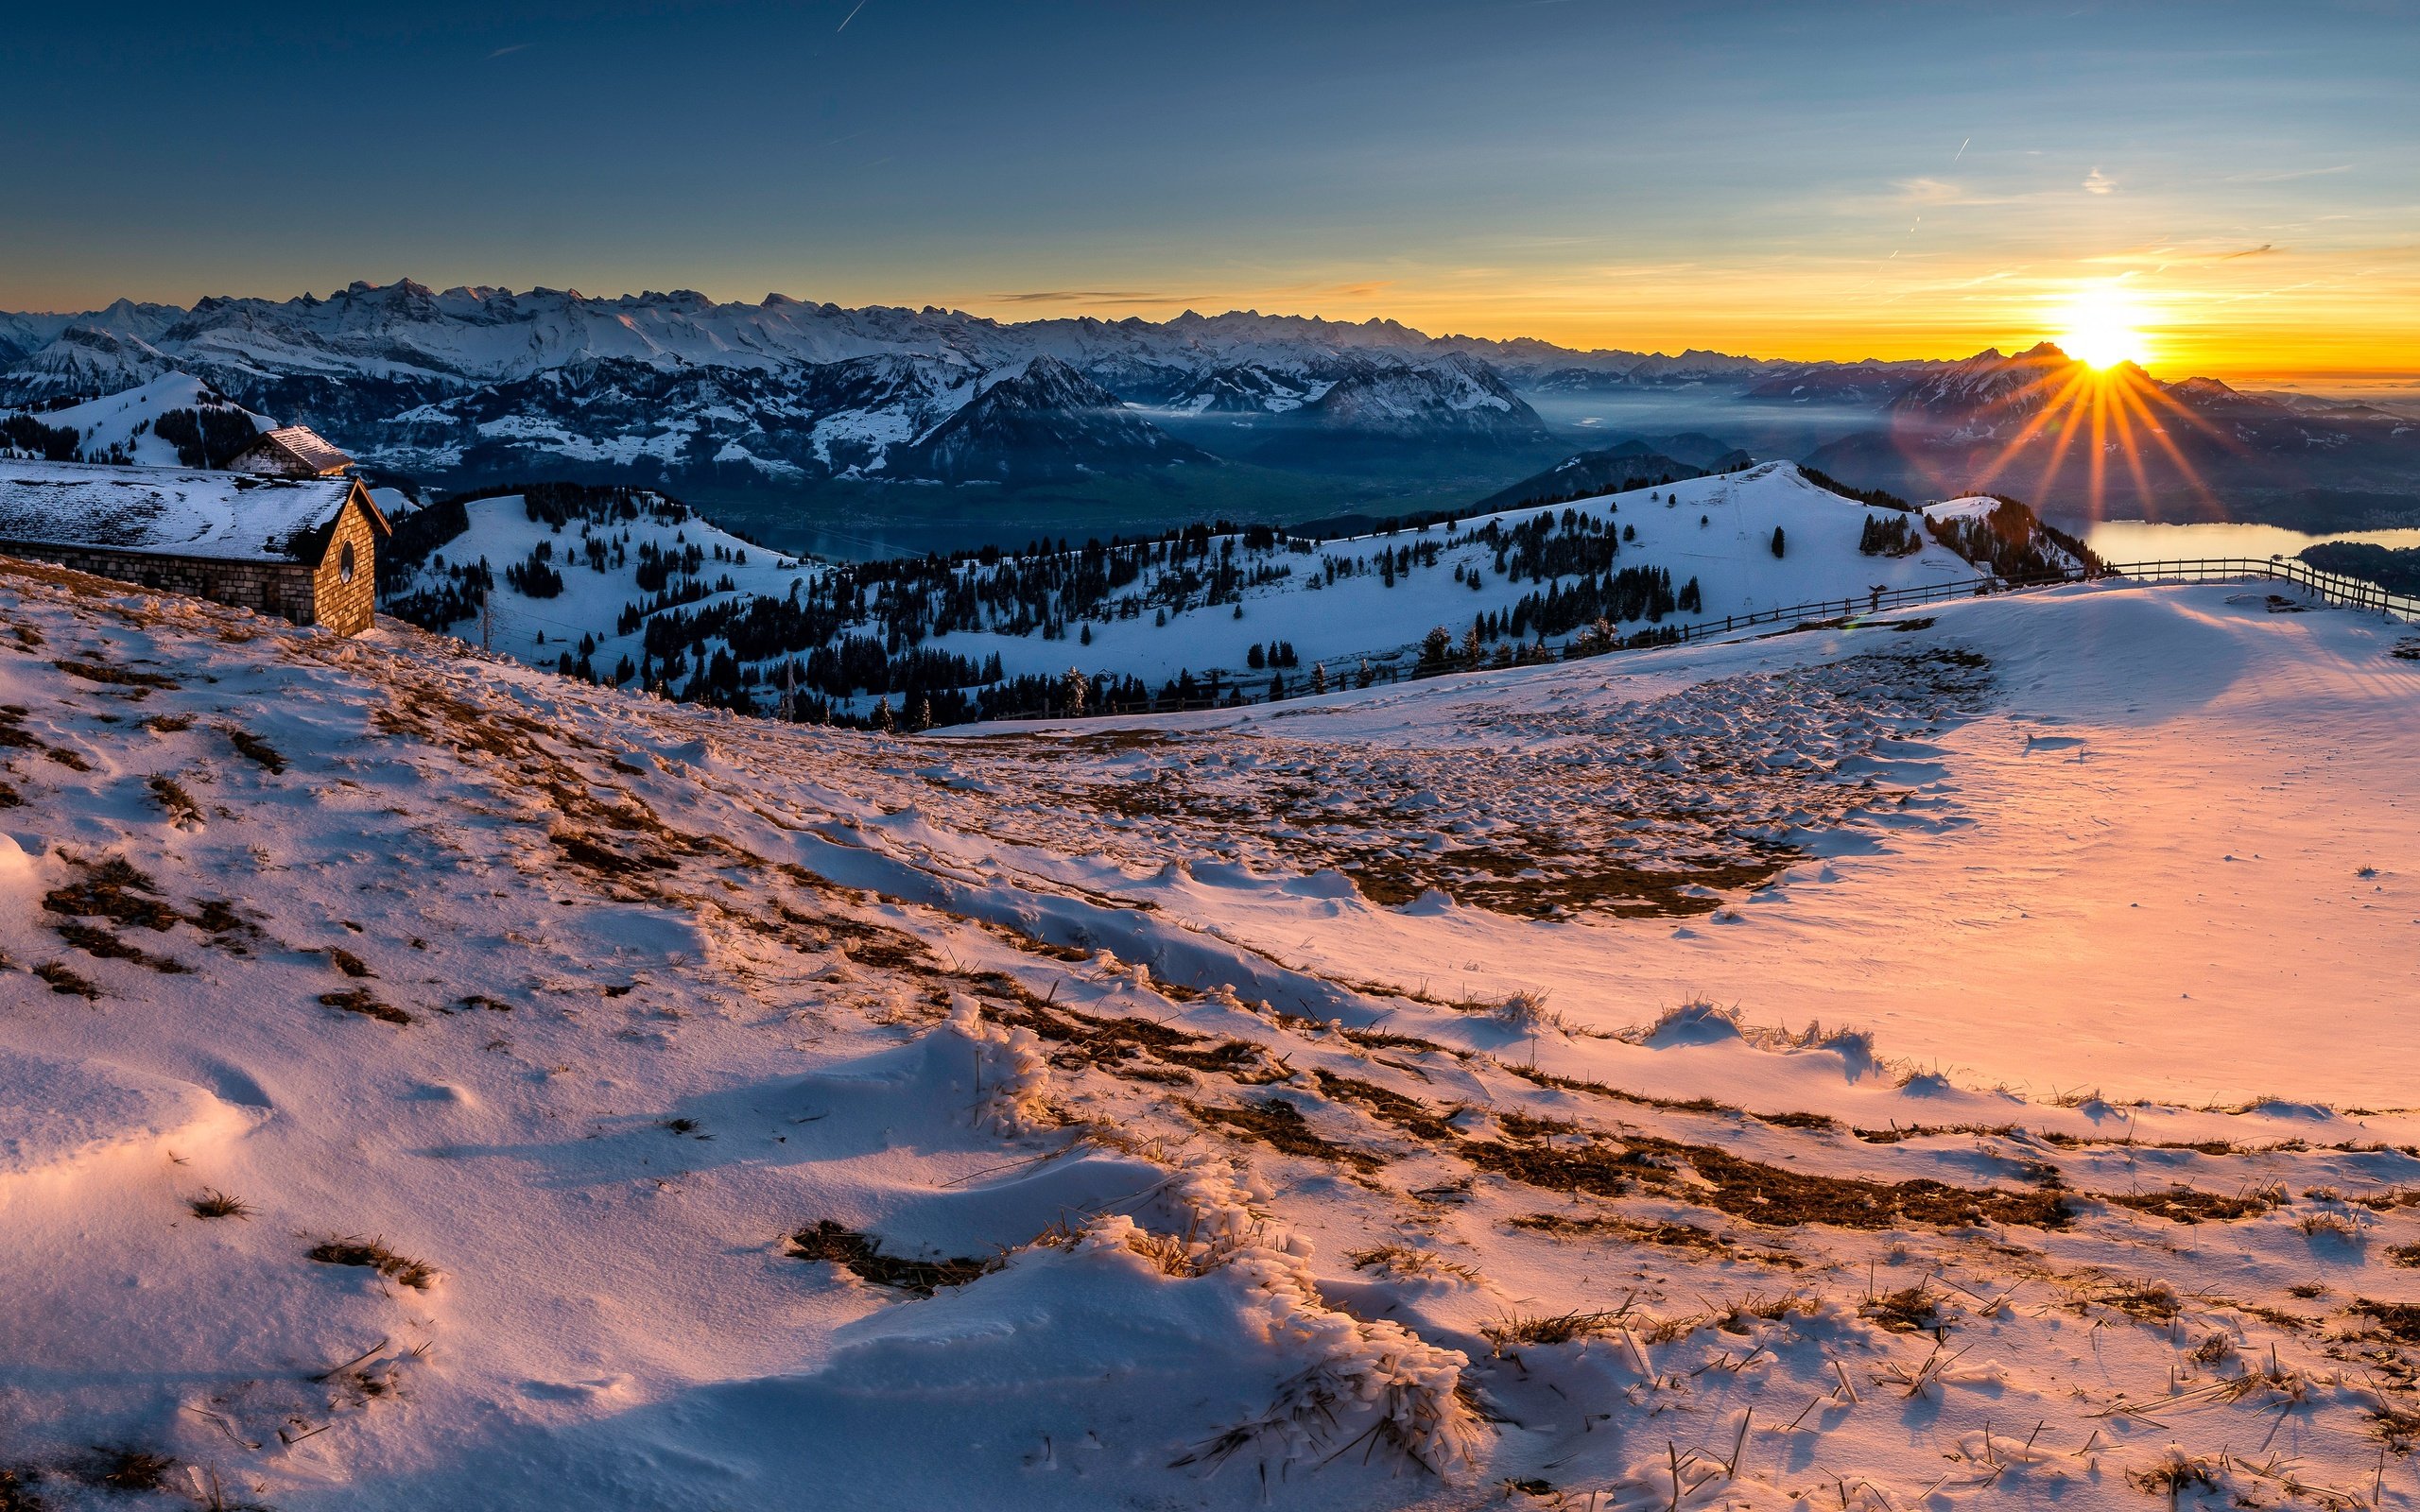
[{"x": 1954, "y": 1057}]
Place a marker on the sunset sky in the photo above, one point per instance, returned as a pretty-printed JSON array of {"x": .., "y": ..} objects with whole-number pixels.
[{"x": 1791, "y": 179}]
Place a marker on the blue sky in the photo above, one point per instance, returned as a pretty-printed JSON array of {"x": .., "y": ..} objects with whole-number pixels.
[{"x": 1823, "y": 180}]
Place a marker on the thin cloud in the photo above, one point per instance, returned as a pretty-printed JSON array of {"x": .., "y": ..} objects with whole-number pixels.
[
  {"x": 2098, "y": 183},
  {"x": 516, "y": 47},
  {"x": 2282, "y": 176},
  {"x": 2264, "y": 249},
  {"x": 1088, "y": 297},
  {"x": 1929, "y": 191}
]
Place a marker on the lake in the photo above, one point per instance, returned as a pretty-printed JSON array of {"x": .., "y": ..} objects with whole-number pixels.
[{"x": 2140, "y": 541}]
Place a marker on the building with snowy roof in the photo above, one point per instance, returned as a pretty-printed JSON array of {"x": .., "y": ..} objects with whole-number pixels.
[
  {"x": 304, "y": 549},
  {"x": 292, "y": 452}
]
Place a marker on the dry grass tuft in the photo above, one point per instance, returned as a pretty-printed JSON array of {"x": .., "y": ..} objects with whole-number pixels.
[
  {"x": 2331, "y": 1225},
  {"x": 255, "y": 750},
  {"x": 1909, "y": 1309},
  {"x": 131, "y": 1469},
  {"x": 347, "y": 962},
  {"x": 1560, "y": 1328},
  {"x": 184, "y": 811},
  {"x": 214, "y": 1203},
  {"x": 373, "y": 1254},
  {"x": 2173, "y": 1474},
  {"x": 65, "y": 981},
  {"x": 2143, "y": 1301},
  {"x": 1403, "y": 1263},
  {"x": 1525, "y": 1011}
]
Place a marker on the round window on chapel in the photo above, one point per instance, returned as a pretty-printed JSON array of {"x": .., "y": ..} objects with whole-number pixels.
[{"x": 344, "y": 563}]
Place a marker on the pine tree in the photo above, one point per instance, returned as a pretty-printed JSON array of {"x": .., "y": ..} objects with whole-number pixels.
[
  {"x": 1777, "y": 541},
  {"x": 1319, "y": 677},
  {"x": 882, "y": 720}
]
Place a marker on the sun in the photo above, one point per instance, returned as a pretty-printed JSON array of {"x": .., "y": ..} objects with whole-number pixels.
[{"x": 2102, "y": 327}]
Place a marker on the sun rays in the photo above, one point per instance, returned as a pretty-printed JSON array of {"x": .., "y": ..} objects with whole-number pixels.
[{"x": 2117, "y": 411}]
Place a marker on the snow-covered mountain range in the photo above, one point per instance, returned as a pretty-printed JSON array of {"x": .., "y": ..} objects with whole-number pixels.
[
  {"x": 488, "y": 381},
  {"x": 676, "y": 391}
]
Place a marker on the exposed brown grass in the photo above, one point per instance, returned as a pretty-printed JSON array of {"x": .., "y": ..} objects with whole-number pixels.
[
  {"x": 1560, "y": 1328},
  {"x": 183, "y": 809},
  {"x": 132, "y": 1470},
  {"x": 64, "y": 980},
  {"x": 113, "y": 889},
  {"x": 1909, "y": 1309},
  {"x": 255, "y": 750},
  {"x": 2143, "y": 1301},
  {"x": 1280, "y": 1125},
  {"x": 2400, "y": 1320},
  {"x": 360, "y": 1000},
  {"x": 1662, "y": 1232},
  {"x": 1403, "y": 1263},
  {"x": 1765, "y": 1194},
  {"x": 861, "y": 1256},
  {"x": 214, "y": 1203},
  {"x": 110, "y": 946},
  {"x": 373, "y": 1254},
  {"x": 2184, "y": 1204},
  {"x": 113, "y": 675},
  {"x": 1409, "y": 1114}
]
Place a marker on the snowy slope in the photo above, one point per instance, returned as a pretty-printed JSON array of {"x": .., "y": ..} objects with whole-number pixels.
[
  {"x": 120, "y": 422},
  {"x": 630, "y": 1024},
  {"x": 1716, "y": 532},
  {"x": 591, "y": 600}
]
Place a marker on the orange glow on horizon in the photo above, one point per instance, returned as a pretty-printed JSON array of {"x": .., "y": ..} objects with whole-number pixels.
[{"x": 2264, "y": 317}]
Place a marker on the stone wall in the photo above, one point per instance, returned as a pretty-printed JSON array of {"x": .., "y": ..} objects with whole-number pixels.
[{"x": 285, "y": 589}]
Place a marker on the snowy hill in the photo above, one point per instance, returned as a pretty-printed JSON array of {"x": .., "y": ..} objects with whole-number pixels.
[
  {"x": 1194, "y": 614},
  {"x": 173, "y": 421},
  {"x": 431, "y": 1083}
]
